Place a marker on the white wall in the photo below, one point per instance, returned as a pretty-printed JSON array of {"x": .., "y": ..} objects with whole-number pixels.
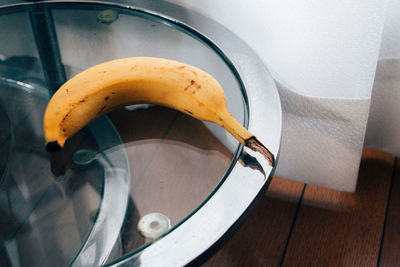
[{"x": 318, "y": 48}]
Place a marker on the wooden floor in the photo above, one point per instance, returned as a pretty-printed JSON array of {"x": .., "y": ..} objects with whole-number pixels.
[{"x": 296, "y": 224}]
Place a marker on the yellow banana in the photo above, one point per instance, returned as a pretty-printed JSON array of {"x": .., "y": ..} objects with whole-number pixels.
[{"x": 127, "y": 81}]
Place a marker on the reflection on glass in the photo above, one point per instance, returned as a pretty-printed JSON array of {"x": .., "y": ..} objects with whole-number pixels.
[
  {"x": 52, "y": 209},
  {"x": 44, "y": 219}
]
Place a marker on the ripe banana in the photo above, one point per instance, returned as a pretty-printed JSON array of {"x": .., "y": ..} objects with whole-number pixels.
[{"x": 128, "y": 81}]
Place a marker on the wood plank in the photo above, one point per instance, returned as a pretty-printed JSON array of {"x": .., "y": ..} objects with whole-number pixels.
[
  {"x": 187, "y": 167},
  {"x": 142, "y": 131},
  {"x": 390, "y": 251},
  {"x": 262, "y": 238},
  {"x": 343, "y": 229},
  {"x": 332, "y": 228},
  {"x": 176, "y": 174}
]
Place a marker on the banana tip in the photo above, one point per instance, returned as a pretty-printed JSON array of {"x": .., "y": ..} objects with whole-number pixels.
[
  {"x": 257, "y": 146},
  {"x": 53, "y": 146}
]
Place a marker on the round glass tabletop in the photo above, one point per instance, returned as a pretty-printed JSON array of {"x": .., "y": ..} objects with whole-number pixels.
[{"x": 140, "y": 174}]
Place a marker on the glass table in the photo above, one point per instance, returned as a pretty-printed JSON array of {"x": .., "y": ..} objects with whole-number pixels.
[{"x": 189, "y": 182}]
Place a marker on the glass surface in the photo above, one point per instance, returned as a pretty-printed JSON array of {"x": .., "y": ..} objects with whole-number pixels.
[
  {"x": 174, "y": 162},
  {"x": 167, "y": 150}
]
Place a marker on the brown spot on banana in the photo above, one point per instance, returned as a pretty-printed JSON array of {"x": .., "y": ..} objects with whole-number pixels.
[
  {"x": 191, "y": 83},
  {"x": 101, "y": 110},
  {"x": 188, "y": 111},
  {"x": 66, "y": 116}
]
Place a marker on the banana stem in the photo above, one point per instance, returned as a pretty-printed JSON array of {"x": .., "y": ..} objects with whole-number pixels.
[
  {"x": 245, "y": 137},
  {"x": 257, "y": 146}
]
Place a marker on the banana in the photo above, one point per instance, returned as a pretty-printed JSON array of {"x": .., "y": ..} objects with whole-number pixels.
[{"x": 128, "y": 81}]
